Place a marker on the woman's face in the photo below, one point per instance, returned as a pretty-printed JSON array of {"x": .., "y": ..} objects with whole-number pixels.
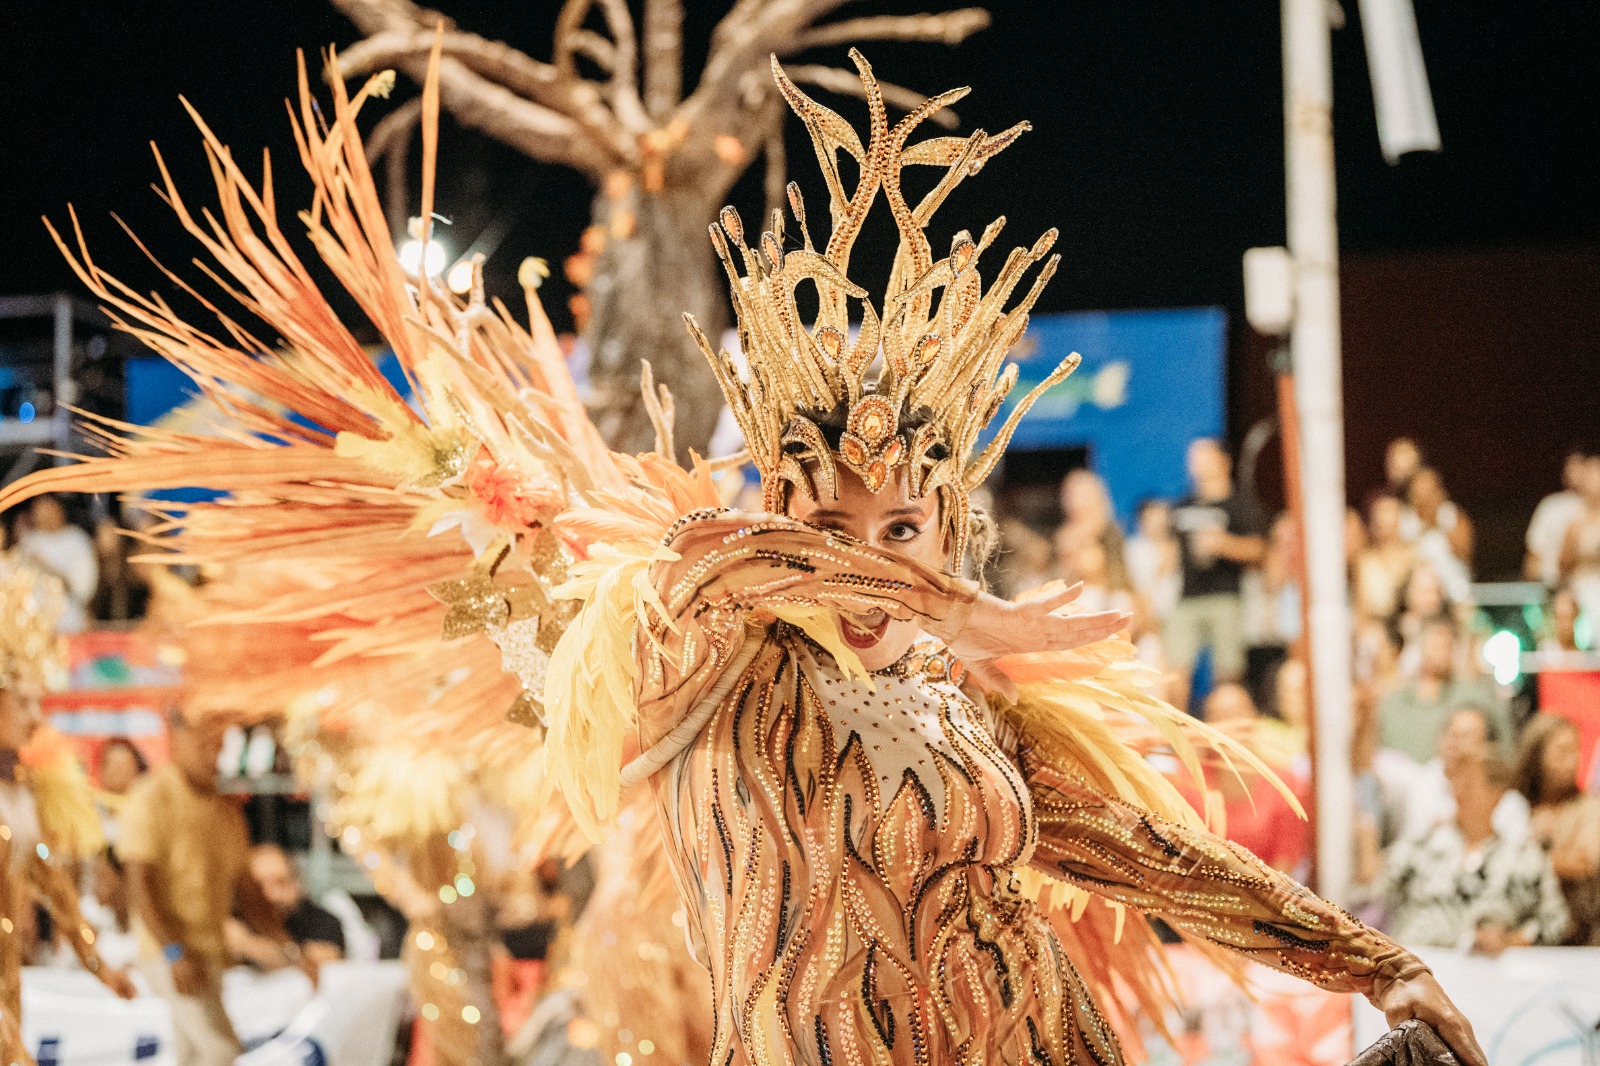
[
  {"x": 1425, "y": 593},
  {"x": 19, "y": 716},
  {"x": 1084, "y": 498},
  {"x": 1155, "y": 521},
  {"x": 1089, "y": 565},
  {"x": 118, "y": 770},
  {"x": 1559, "y": 762},
  {"x": 891, "y": 520},
  {"x": 1385, "y": 520}
]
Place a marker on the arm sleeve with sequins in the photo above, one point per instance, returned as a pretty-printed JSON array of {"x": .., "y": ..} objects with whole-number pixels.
[
  {"x": 1207, "y": 887},
  {"x": 730, "y": 564},
  {"x": 53, "y": 881}
]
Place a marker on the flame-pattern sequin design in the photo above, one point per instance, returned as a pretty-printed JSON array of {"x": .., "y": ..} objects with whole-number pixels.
[{"x": 849, "y": 849}]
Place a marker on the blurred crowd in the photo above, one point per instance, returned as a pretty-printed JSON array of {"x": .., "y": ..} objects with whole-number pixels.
[
  {"x": 1474, "y": 826},
  {"x": 1472, "y": 830}
]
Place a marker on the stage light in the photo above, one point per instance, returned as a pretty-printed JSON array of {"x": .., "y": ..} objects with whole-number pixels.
[
  {"x": 1269, "y": 282},
  {"x": 27, "y": 412},
  {"x": 459, "y": 278},
  {"x": 412, "y": 256},
  {"x": 1503, "y": 653}
]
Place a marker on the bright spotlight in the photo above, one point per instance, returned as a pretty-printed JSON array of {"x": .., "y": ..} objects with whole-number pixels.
[
  {"x": 1503, "y": 653},
  {"x": 412, "y": 256},
  {"x": 459, "y": 279}
]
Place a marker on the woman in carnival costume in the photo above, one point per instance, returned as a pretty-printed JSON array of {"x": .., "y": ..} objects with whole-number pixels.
[
  {"x": 47, "y": 813},
  {"x": 890, "y": 799}
]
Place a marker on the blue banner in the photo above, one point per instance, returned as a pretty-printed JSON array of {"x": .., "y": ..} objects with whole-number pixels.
[{"x": 1151, "y": 382}]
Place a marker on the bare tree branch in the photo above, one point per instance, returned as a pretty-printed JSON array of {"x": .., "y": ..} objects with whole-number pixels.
[
  {"x": 663, "y": 56},
  {"x": 623, "y": 85},
  {"x": 739, "y": 47},
  {"x": 499, "y": 62},
  {"x": 505, "y": 67},
  {"x": 945, "y": 27},
  {"x": 531, "y": 128},
  {"x": 376, "y": 16},
  {"x": 595, "y": 48},
  {"x": 848, "y": 83}
]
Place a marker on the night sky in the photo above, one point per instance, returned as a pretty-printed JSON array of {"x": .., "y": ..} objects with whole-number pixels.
[
  {"x": 1157, "y": 141},
  {"x": 1156, "y": 145}
]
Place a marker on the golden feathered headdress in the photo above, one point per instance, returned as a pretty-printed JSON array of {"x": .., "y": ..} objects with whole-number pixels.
[
  {"x": 807, "y": 402},
  {"x": 30, "y": 606}
]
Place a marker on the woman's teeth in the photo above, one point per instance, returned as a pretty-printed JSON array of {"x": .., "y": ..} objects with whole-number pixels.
[{"x": 863, "y": 631}]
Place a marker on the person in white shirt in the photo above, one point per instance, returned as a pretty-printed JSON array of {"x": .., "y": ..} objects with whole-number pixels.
[
  {"x": 1426, "y": 797},
  {"x": 1547, "y": 530},
  {"x": 1464, "y": 885},
  {"x": 1441, "y": 531},
  {"x": 57, "y": 547},
  {"x": 1151, "y": 555}
]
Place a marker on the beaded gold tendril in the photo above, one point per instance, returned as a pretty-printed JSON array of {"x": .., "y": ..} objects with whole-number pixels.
[{"x": 938, "y": 342}]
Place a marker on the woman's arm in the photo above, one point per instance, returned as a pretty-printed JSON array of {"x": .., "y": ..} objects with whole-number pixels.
[
  {"x": 1205, "y": 886},
  {"x": 1218, "y": 891},
  {"x": 57, "y": 891},
  {"x": 736, "y": 567},
  {"x": 733, "y": 567}
]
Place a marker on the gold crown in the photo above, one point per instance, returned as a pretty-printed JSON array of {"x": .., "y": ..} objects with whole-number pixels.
[
  {"x": 30, "y": 606},
  {"x": 941, "y": 335}
]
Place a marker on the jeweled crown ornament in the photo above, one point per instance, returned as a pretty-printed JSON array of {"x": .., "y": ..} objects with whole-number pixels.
[{"x": 938, "y": 342}]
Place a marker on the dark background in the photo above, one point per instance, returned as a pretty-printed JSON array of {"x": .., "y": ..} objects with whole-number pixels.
[{"x": 1471, "y": 278}]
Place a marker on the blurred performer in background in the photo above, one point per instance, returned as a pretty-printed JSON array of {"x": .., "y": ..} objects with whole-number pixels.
[
  {"x": 184, "y": 849},
  {"x": 47, "y": 816}
]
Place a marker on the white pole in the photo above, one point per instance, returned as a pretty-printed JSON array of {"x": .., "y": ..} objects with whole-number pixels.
[{"x": 1314, "y": 243}]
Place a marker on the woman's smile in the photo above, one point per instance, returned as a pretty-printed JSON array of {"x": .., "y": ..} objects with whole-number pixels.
[{"x": 862, "y": 631}]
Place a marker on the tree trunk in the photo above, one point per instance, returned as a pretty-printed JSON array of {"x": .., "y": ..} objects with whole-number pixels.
[{"x": 657, "y": 263}]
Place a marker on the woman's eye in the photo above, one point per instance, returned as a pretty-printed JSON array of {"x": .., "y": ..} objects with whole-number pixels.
[{"x": 902, "y": 531}]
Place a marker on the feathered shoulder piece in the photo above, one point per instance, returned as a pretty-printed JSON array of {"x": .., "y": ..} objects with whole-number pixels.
[
  {"x": 69, "y": 825},
  {"x": 448, "y": 506}
]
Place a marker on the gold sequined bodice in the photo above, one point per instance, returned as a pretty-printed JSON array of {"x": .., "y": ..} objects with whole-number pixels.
[
  {"x": 849, "y": 849},
  {"x": 849, "y": 853}
]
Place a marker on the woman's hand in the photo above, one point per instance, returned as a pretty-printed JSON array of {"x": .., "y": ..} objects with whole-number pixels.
[
  {"x": 996, "y": 627},
  {"x": 1419, "y": 996}
]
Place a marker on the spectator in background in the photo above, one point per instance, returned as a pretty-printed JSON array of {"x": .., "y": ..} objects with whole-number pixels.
[
  {"x": 1461, "y": 885},
  {"x": 1410, "y": 718},
  {"x": 1401, "y": 461},
  {"x": 184, "y": 848},
  {"x": 1423, "y": 600},
  {"x": 1219, "y": 535},
  {"x": 1580, "y": 551},
  {"x": 316, "y": 931},
  {"x": 1029, "y": 558},
  {"x": 1426, "y": 799},
  {"x": 1106, "y": 588},
  {"x": 1560, "y": 632},
  {"x": 1547, "y": 530},
  {"x": 109, "y": 913},
  {"x": 56, "y": 546},
  {"x": 1441, "y": 532},
  {"x": 121, "y": 764},
  {"x": 1151, "y": 555},
  {"x": 1259, "y": 817},
  {"x": 1271, "y": 596},
  {"x": 1565, "y": 821},
  {"x": 1383, "y": 567},
  {"x": 1087, "y": 515}
]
